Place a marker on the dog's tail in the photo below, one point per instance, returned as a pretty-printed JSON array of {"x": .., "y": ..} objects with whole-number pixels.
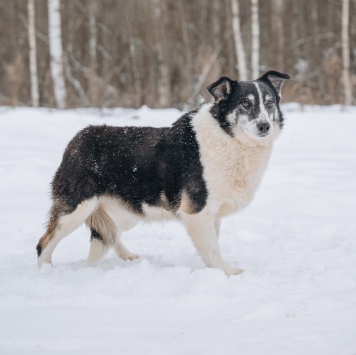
[{"x": 103, "y": 234}]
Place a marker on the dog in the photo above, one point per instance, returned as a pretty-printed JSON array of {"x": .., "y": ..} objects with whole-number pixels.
[{"x": 207, "y": 165}]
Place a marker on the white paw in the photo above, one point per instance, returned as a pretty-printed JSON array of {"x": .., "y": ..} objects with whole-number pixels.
[
  {"x": 229, "y": 271},
  {"x": 129, "y": 257}
]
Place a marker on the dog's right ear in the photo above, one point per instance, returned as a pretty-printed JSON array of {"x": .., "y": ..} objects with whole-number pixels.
[{"x": 221, "y": 89}]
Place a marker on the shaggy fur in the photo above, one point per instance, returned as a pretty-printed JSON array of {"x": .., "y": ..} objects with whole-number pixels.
[{"x": 206, "y": 166}]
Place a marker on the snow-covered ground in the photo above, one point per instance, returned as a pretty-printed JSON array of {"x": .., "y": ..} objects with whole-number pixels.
[{"x": 296, "y": 241}]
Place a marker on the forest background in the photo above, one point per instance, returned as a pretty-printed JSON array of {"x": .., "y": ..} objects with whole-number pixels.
[{"x": 163, "y": 53}]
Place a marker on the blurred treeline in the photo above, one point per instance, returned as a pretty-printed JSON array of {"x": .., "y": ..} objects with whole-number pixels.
[{"x": 162, "y": 53}]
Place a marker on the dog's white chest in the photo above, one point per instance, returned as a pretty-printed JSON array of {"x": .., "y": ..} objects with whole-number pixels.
[{"x": 233, "y": 176}]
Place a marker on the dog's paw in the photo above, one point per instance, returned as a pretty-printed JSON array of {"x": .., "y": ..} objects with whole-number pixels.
[
  {"x": 229, "y": 271},
  {"x": 129, "y": 256}
]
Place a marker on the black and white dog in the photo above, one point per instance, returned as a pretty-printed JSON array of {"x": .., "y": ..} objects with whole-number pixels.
[{"x": 207, "y": 165}]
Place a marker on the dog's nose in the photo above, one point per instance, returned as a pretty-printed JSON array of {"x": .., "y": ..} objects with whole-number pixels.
[{"x": 263, "y": 127}]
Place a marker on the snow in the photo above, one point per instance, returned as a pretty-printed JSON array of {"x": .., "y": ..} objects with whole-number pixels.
[{"x": 296, "y": 242}]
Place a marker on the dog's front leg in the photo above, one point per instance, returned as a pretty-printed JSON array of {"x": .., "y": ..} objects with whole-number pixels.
[
  {"x": 217, "y": 226},
  {"x": 202, "y": 228}
]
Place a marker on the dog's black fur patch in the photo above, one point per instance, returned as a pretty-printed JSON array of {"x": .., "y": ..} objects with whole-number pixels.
[
  {"x": 95, "y": 235},
  {"x": 135, "y": 164},
  {"x": 39, "y": 249}
]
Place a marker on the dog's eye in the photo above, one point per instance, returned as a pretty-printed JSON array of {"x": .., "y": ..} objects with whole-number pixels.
[
  {"x": 246, "y": 104},
  {"x": 269, "y": 104}
]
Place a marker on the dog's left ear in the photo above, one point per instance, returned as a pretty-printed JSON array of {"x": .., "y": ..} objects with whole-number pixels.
[
  {"x": 221, "y": 89},
  {"x": 275, "y": 79}
]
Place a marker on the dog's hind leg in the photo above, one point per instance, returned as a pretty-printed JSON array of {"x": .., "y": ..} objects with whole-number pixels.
[
  {"x": 124, "y": 220},
  {"x": 60, "y": 225},
  {"x": 122, "y": 252},
  {"x": 107, "y": 224},
  {"x": 98, "y": 247}
]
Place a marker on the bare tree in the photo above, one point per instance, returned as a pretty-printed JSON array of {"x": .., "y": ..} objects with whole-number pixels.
[
  {"x": 163, "y": 72},
  {"x": 239, "y": 47},
  {"x": 278, "y": 31},
  {"x": 111, "y": 58},
  {"x": 255, "y": 30},
  {"x": 345, "y": 43},
  {"x": 56, "y": 52},
  {"x": 134, "y": 53},
  {"x": 15, "y": 75},
  {"x": 192, "y": 102},
  {"x": 217, "y": 25},
  {"x": 93, "y": 40},
  {"x": 33, "y": 53}
]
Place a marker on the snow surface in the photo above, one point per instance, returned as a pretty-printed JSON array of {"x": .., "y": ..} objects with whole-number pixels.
[{"x": 296, "y": 241}]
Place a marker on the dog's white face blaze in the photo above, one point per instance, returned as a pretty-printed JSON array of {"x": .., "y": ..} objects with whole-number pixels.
[{"x": 263, "y": 111}]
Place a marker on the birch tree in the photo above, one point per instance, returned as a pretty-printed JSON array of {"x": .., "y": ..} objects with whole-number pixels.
[
  {"x": 33, "y": 53},
  {"x": 255, "y": 30},
  {"x": 56, "y": 52},
  {"x": 163, "y": 80},
  {"x": 93, "y": 40},
  {"x": 239, "y": 47},
  {"x": 134, "y": 50},
  {"x": 345, "y": 44},
  {"x": 278, "y": 32}
]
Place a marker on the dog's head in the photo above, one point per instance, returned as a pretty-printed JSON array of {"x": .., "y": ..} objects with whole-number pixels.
[{"x": 249, "y": 107}]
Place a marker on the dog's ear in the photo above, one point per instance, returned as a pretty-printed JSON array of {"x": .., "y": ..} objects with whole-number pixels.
[
  {"x": 275, "y": 79},
  {"x": 221, "y": 89}
]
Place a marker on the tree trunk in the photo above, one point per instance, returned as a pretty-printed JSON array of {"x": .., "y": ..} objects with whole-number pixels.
[
  {"x": 278, "y": 32},
  {"x": 33, "y": 53},
  {"x": 345, "y": 44},
  {"x": 163, "y": 72},
  {"x": 56, "y": 52},
  {"x": 187, "y": 56},
  {"x": 239, "y": 47},
  {"x": 93, "y": 40},
  {"x": 134, "y": 53},
  {"x": 15, "y": 74},
  {"x": 255, "y": 30},
  {"x": 217, "y": 38},
  {"x": 193, "y": 102}
]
